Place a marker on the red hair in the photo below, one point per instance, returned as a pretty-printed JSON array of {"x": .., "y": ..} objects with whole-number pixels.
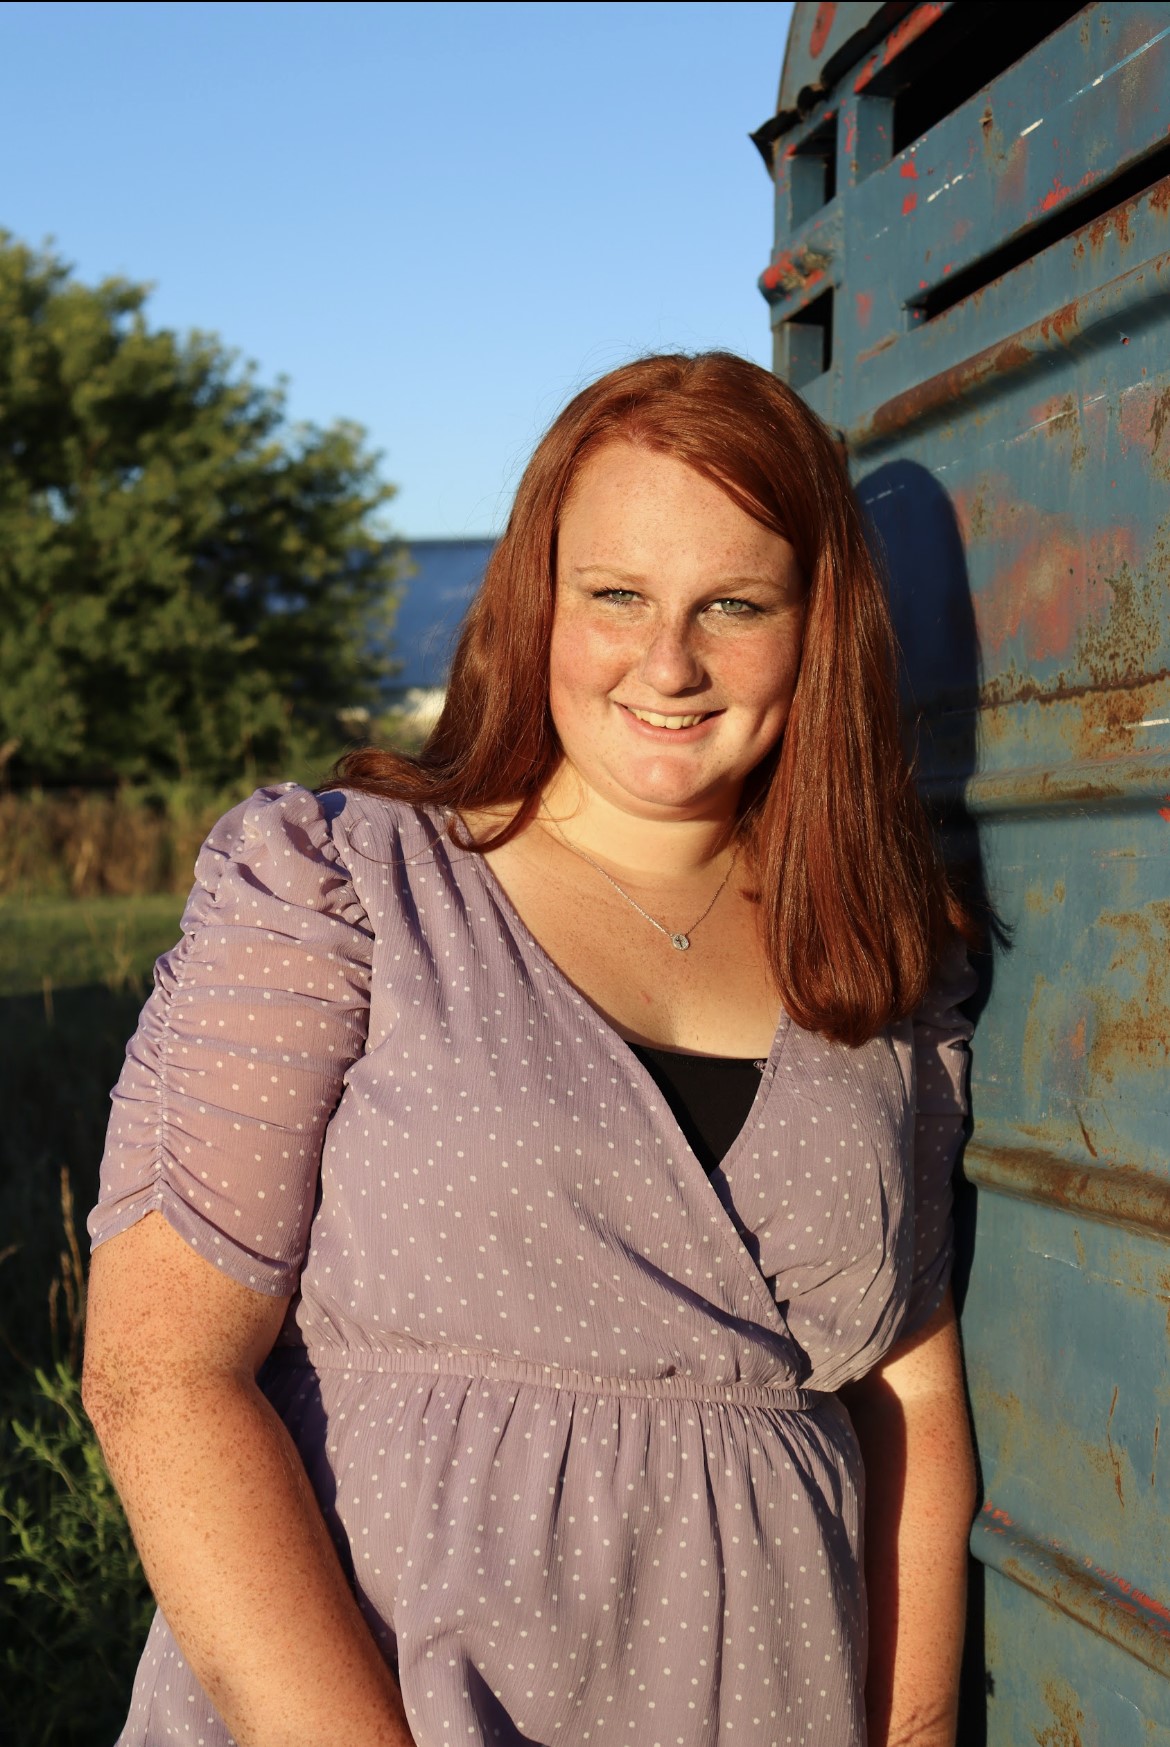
[{"x": 855, "y": 902}]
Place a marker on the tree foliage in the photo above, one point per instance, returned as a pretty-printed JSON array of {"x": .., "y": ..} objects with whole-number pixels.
[{"x": 187, "y": 583}]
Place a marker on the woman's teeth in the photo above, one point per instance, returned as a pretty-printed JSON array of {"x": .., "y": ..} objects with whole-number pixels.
[{"x": 657, "y": 721}]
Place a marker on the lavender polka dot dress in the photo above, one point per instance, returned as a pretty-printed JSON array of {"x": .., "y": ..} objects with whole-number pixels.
[{"x": 566, "y": 1401}]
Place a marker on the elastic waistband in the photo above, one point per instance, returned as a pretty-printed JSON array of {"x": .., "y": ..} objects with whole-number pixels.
[{"x": 488, "y": 1367}]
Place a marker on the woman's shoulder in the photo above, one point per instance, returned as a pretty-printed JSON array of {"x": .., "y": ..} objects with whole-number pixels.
[
  {"x": 373, "y": 826},
  {"x": 313, "y": 846}
]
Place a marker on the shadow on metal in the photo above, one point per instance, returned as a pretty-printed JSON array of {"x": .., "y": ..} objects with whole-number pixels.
[{"x": 915, "y": 537}]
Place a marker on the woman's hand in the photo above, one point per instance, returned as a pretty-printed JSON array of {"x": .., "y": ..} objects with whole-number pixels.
[
  {"x": 230, "y": 1533},
  {"x": 910, "y": 1415}
]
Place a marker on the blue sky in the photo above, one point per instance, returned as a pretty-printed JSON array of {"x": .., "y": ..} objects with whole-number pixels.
[{"x": 439, "y": 220}]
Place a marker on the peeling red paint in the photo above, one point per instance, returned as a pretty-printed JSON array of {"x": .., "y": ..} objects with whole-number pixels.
[
  {"x": 1058, "y": 192},
  {"x": 910, "y": 29},
  {"x": 1048, "y": 570},
  {"x": 1164, "y": 812},
  {"x": 864, "y": 300},
  {"x": 822, "y": 25},
  {"x": 909, "y": 170},
  {"x": 850, "y": 132},
  {"x": 909, "y": 204},
  {"x": 869, "y": 68}
]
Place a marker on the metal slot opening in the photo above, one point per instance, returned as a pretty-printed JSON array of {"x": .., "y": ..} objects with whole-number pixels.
[
  {"x": 812, "y": 173},
  {"x": 804, "y": 343},
  {"x": 957, "y": 57},
  {"x": 1065, "y": 223}
]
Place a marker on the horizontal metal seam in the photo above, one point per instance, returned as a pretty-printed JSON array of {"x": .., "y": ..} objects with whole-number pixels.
[
  {"x": 1095, "y": 783},
  {"x": 1115, "y": 1610},
  {"x": 1084, "y": 321},
  {"x": 1124, "y": 1195}
]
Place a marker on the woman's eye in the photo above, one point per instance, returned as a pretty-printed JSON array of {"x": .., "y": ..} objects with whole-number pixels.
[
  {"x": 619, "y": 596},
  {"x": 734, "y": 609}
]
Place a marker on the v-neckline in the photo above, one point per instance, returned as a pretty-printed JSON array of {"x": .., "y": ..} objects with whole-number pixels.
[{"x": 652, "y": 1094}]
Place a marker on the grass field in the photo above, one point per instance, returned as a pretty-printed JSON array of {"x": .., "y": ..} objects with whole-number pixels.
[{"x": 73, "y": 1606}]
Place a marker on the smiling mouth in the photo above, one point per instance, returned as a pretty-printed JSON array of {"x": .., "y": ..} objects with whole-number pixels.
[{"x": 655, "y": 719}]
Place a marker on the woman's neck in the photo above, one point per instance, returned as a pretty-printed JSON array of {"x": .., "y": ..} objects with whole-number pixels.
[{"x": 642, "y": 846}]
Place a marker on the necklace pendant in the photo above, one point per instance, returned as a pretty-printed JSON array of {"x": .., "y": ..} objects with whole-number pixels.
[{"x": 680, "y": 942}]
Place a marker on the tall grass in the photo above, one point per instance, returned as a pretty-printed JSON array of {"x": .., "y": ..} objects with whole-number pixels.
[
  {"x": 74, "y": 1603},
  {"x": 74, "y": 1606}
]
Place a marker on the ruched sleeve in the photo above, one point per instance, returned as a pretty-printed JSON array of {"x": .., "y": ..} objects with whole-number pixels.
[
  {"x": 242, "y": 1049},
  {"x": 941, "y": 1035}
]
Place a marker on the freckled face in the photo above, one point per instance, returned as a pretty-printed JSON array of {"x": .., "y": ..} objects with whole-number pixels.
[{"x": 676, "y": 636}]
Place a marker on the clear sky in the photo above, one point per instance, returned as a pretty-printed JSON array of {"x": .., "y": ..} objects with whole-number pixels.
[{"x": 436, "y": 219}]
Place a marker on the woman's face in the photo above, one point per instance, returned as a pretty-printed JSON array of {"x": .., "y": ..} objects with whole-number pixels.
[{"x": 676, "y": 636}]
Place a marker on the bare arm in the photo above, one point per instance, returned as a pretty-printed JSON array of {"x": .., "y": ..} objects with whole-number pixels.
[
  {"x": 910, "y": 1415},
  {"x": 230, "y": 1533}
]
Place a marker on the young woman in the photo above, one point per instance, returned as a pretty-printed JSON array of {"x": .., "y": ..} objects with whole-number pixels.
[{"x": 525, "y": 1225}]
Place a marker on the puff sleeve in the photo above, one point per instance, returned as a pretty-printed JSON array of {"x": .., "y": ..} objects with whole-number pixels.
[
  {"x": 941, "y": 1035},
  {"x": 241, "y": 1051}
]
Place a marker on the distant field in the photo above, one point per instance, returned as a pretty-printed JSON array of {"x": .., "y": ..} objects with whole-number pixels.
[{"x": 75, "y": 943}]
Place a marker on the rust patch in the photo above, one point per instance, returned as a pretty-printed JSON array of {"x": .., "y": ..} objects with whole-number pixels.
[
  {"x": 1124, "y": 648},
  {"x": 1067, "y": 1717},
  {"x": 1114, "y": 1461},
  {"x": 1010, "y": 173},
  {"x": 872, "y": 351},
  {"x": 864, "y": 303},
  {"x": 1132, "y": 1033},
  {"x": 1085, "y": 1135},
  {"x": 1142, "y": 416}
]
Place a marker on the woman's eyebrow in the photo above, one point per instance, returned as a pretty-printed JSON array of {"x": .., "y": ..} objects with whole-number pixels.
[{"x": 635, "y": 577}]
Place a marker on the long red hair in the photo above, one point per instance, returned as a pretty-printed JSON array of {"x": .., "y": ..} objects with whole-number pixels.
[{"x": 855, "y": 902}]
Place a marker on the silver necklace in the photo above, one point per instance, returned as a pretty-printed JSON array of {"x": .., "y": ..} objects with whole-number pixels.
[{"x": 681, "y": 942}]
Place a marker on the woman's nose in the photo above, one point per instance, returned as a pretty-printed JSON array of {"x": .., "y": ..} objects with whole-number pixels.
[{"x": 671, "y": 662}]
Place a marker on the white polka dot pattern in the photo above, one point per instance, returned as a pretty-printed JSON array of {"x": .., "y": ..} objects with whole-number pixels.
[{"x": 565, "y": 1400}]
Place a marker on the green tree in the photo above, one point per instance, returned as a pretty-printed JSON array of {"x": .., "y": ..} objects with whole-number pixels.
[{"x": 187, "y": 583}]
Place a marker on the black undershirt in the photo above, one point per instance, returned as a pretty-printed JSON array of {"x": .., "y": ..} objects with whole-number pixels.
[{"x": 709, "y": 1095}]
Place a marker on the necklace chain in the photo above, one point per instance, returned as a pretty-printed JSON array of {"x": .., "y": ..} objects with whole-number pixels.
[{"x": 680, "y": 941}]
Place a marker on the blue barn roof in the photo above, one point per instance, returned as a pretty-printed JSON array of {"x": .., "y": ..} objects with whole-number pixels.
[{"x": 444, "y": 575}]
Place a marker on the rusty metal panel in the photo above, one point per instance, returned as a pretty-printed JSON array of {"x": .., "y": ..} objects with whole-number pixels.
[{"x": 984, "y": 310}]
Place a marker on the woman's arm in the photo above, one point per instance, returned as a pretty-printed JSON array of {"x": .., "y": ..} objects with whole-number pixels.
[
  {"x": 910, "y": 1415},
  {"x": 230, "y": 1533}
]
